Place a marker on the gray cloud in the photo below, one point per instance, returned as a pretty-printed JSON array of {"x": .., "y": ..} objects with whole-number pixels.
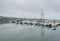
[{"x": 30, "y": 8}]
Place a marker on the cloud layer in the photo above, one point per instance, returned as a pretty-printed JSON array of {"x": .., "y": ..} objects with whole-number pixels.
[{"x": 30, "y": 8}]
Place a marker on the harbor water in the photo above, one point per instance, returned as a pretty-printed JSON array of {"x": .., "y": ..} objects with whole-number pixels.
[{"x": 18, "y": 32}]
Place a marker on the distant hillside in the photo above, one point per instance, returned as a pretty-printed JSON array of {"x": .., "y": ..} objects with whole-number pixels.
[{"x": 14, "y": 18}]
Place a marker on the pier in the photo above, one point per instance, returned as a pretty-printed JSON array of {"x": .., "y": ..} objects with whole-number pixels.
[{"x": 36, "y": 22}]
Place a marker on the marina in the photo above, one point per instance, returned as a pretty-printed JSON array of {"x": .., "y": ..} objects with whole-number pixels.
[
  {"x": 38, "y": 22},
  {"x": 29, "y": 20}
]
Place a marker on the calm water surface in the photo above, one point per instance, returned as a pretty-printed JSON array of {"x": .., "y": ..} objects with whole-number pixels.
[{"x": 17, "y": 32}]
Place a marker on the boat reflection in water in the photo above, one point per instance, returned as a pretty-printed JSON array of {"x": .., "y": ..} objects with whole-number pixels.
[{"x": 18, "y": 32}]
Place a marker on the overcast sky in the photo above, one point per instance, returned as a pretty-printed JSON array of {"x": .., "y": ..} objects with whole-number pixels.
[{"x": 30, "y": 8}]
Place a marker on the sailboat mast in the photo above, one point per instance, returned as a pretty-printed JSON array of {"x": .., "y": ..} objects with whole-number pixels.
[{"x": 42, "y": 13}]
